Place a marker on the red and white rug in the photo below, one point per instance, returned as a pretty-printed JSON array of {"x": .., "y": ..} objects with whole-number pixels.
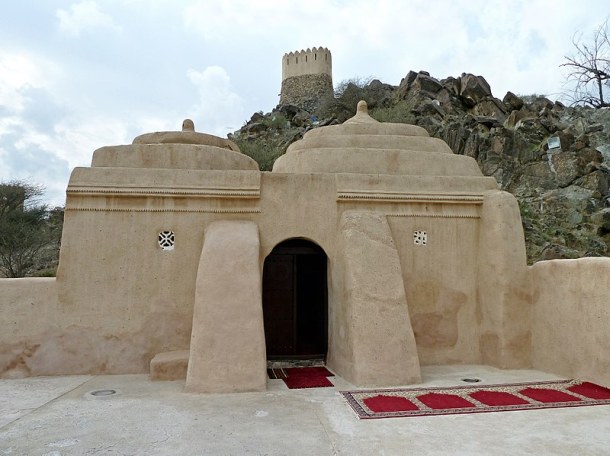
[
  {"x": 388, "y": 403},
  {"x": 303, "y": 377}
]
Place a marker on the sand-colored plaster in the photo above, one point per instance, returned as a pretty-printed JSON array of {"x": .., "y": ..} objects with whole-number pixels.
[
  {"x": 227, "y": 352},
  {"x": 374, "y": 343},
  {"x": 440, "y": 281},
  {"x": 169, "y": 365},
  {"x": 571, "y": 318},
  {"x": 504, "y": 308},
  {"x": 374, "y": 141},
  {"x": 376, "y": 149},
  {"x": 185, "y": 137},
  {"x": 171, "y": 156},
  {"x": 28, "y": 308},
  {"x": 123, "y": 300},
  {"x": 376, "y": 161},
  {"x": 304, "y": 62}
]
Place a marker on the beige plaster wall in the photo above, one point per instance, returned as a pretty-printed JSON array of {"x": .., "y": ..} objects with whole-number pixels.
[
  {"x": 298, "y": 205},
  {"x": 372, "y": 341},
  {"x": 415, "y": 143},
  {"x": 122, "y": 299},
  {"x": 571, "y": 318},
  {"x": 440, "y": 283},
  {"x": 504, "y": 302},
  {"x": 227, "y": 350},
  {"x": 28, "y": 318},
  {"x": 171, "y": 156},
  {"x": 391, "y": 161},
  {"x": 120, "y": 293}
]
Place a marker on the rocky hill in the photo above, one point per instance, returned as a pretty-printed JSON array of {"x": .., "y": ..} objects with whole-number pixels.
[{"x": 555, "y": 159}]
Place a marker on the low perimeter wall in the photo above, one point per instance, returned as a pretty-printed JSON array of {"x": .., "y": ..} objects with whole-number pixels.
[
  {"x": 28, "y": 311},
  {"x": 571, "y": 318},
  {"x": 570, "y": 322}
]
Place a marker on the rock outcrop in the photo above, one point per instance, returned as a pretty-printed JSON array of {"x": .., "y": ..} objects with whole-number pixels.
[{"x": 555, "y": 159}]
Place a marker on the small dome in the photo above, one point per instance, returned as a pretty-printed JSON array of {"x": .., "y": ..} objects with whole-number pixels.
[
  {"x": 363, "y": 145},
  {"x": 188, "y": 135},
  {"x": 186, "y": 149}
]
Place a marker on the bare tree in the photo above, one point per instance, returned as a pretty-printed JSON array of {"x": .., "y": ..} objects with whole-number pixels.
[{"x": 589, "y": 68}]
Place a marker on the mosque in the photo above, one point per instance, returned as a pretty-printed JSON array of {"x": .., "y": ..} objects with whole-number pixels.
[{"x": 370, "y": 246}]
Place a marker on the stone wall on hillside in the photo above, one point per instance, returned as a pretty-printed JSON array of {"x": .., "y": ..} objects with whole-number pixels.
[{"x": 307, "y": 91}]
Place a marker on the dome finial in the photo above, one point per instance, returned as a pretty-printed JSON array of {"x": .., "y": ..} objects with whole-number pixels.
[
  {"x": 362, "y": 114},
  {"x": 188, "y": 125}
]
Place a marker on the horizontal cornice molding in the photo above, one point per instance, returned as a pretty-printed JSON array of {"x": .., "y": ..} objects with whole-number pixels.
[
  {"x": 410, "y": 197},
  {"x": 168, "y": 192},
  {"x": 141, "y": 209},
  {"x": 433, "y": 215}
]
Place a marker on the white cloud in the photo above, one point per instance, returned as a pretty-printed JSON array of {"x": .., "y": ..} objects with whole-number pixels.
[
  {"x": 17, "y": 72},
  {"x": 516, "y": 45},
  {"x": 85, "y": 15},
  {"x": 47, "y": 157},
  {"x": 219, "y": 110}
]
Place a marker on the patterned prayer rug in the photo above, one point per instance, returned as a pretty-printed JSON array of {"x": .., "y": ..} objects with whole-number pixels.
[
  {"x": 303, "y": 377},
  {"x": 388, "y": 403}
]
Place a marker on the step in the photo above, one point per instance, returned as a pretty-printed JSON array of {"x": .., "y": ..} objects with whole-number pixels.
[{"x": 169, "y": 365}]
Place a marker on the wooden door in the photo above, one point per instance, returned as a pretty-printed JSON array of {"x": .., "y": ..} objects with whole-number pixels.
[
  {"x": 279, "y": 305},
  {"x": 295, "y": 301}
]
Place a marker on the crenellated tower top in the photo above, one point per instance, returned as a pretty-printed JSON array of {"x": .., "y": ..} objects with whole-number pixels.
[{"x": 309, "y": 61}]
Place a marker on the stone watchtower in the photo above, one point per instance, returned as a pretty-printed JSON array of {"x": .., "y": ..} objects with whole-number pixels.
[{"x": 307, "y": 78}]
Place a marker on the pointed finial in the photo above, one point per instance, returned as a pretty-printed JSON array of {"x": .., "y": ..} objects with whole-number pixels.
[
  {"x": 362, "y": 114},
  {"x": 188, "y": 125}
]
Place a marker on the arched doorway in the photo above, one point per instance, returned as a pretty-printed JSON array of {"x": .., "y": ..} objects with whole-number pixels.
[{"x": 295, "y": 301}]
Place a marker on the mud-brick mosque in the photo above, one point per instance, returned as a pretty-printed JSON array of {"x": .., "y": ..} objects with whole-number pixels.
[{"x": 370, "y": 246}]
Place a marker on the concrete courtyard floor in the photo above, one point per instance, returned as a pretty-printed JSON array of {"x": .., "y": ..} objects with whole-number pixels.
[{"x": 55, "y": 416}]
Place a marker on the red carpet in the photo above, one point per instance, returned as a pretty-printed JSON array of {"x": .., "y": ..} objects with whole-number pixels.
[
  {"x": 388, "y": 403},
  {"x": 303, "y": 377}
]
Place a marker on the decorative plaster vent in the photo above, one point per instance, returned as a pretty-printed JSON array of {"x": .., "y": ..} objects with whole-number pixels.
[
  {"x": 167, "y": 239},
  {"x": 420, "y": 238}
]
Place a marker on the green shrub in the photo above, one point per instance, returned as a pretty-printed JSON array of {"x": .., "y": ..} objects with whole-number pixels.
[
  {"x": 50, "y": 272},
  {"x": 347, "y": 95},
  {"x": 401, "y": 112},
  {"x": 261, "y": 151},
  {"x": 276, "y": 121}
]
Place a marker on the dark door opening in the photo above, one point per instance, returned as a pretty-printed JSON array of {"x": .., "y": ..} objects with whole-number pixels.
[{"x": 295, "y": 301}]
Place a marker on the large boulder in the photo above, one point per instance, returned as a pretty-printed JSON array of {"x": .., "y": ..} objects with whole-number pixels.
[
  {"x": 512, "y": 101},
  {"x": 474, "y": 89}
]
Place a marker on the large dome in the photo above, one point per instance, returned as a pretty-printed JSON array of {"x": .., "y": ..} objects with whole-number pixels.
[{"x": 363, "y": 145}]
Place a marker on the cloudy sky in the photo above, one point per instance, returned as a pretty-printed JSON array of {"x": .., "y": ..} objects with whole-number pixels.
[{"x": 77, "y": 75}]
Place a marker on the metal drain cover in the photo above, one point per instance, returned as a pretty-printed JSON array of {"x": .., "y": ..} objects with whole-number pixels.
[{"x": 107, "y": 392}]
